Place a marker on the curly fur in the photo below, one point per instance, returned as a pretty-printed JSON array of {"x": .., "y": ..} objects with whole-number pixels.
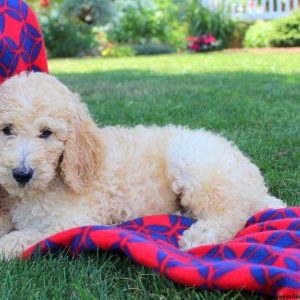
[{"x": 85, "y": 175}]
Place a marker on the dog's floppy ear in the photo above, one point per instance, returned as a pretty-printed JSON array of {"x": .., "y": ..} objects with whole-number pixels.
[{"x": 82, "y": 154}]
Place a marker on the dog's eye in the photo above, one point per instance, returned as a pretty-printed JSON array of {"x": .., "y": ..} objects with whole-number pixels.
[
  {"x": 45, "y": 133},
  {"x": 7, "y": 130}
]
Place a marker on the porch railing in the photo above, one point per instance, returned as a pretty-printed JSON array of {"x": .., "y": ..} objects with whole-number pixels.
[{"x": 262, "y": 9}]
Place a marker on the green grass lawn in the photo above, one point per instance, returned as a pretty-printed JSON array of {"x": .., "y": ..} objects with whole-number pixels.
[{"x": 252, "y": 99}]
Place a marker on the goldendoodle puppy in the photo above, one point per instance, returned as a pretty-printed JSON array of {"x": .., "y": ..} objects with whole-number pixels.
[{"x": 59, "y": 170}]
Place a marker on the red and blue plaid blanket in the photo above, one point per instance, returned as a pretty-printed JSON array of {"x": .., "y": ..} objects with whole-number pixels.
[
  {"x": 21, "y": 41},
  {"x": 263, "y": 257}
]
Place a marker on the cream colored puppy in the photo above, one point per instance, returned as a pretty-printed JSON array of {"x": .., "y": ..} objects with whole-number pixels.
[{"x": 60, "y": 170}]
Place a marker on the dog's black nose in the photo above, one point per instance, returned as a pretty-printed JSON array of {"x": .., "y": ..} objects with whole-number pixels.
[{"x": 22, "y": 174}]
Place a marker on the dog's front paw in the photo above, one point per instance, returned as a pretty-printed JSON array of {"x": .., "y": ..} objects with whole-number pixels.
[
  {"x": 15, "y": 242},
  {"x": 204, "y": 232},
  {"x": 200, "y": 233},
  {"x": 10, "y": 248}
]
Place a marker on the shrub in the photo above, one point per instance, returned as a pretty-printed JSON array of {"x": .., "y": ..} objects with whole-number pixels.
[
  {"x": 259, "y": 34},
  {"x": 151, "y": 23},
  {"x": 238, "y": 35},
  {"x": 286, "y": 31},
  {"x": 176, "y": 28},
  {"x": 96, "y": 12},
  {"x": 137, "y": 23},
  {"x": 118, "y": 51},
  {"x": 153, "y": 49},
  {"x": 66, "y": 37},
  {"x": 202, "y": 20}
]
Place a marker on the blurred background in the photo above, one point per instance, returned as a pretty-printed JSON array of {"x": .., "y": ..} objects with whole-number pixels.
[{"x": 118, "y": 28}]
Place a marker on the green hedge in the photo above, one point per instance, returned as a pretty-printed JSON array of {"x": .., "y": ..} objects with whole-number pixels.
[
  {"x": 66, "y": 37},
  {"x": 284, "y": 32},
  {"x": 259, "y": 35}
]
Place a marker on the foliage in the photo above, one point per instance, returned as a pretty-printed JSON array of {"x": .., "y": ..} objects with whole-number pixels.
[
  {"x": 151, "y": 23},
  {"x": 203, "y": 43},
  {"x": 118, "y": 51},
  {"x": 66, "y": 37},
  {"x": 96, "y": 12},
  {"x": 167, "y": 22},
  {"x": 136, "y": 49},
  {"x": 237, "y": 37},
  {"x": 137, "y": 23},
  {"x": 283, "y": 32},
  {"x": 259, "y": 34},
  {"x": 153, "y": 49},
  {"x": 286, "y": 31},
  {"x": 202, "y": 20},
  {"x": 36, "y": 4},
  {"x": 176, "y": 28}
]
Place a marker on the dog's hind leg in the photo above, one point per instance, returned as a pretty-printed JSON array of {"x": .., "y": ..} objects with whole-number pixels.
[
  {"x": 223, "y": 225},
  {"x": 217, "y": 186}
]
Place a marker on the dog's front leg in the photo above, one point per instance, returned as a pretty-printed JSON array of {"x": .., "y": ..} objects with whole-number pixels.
[
  {"x": 5, "y": 220},
  {"x": 15, "y": 242},
  {"x": 5, "y": 223},
  {"x": 217, "y": 219}
]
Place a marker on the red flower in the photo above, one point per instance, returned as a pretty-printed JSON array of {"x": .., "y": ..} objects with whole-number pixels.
[
  {"x": 203, "y": 42},
  {"x": 209, "y": 39},
  {"x": 45, "y": 2},
  {"x": 190, "y": 38},
  {"x": 199, "y": 39},
  {"x": 194, "y": 47}
]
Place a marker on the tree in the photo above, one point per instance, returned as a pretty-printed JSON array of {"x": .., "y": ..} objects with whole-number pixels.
[{"x": 96, "y": 12}]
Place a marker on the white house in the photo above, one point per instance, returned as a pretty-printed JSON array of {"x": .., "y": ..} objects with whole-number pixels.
[{"x": 255, "y": 9}]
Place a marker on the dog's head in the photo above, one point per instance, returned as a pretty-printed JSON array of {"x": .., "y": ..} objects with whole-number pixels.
[{"x": 46, "y": 134}]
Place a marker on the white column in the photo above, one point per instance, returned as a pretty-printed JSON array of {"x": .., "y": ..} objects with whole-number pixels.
[
  {"x": 271, "y": 6},
  {"x": 239, "y": 7},
  {"x": 248, "y": 9},
  {"x": 287, "y": 7},
  {"x": 279, "y": 5},
  {"x": 255, "y": 6},
  {"x": 263, "y": 6}
]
